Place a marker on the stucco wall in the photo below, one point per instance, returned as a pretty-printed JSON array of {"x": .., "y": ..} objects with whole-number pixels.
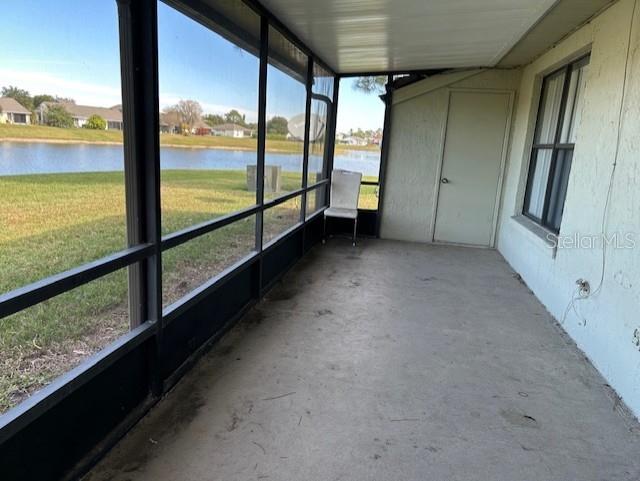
[
  {"x": 603, "y": 325},
  {"x": 419, "y": 116}
]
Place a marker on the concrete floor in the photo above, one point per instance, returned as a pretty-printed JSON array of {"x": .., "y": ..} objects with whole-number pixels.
[{"x": 391, "y": 361}]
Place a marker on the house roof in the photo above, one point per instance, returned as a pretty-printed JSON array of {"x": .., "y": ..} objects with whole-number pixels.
[
  {"x": 230, "y": 127},
  {"x": 201, "y": 124},
  {"x": 86, "y": 111},
  {"x": 8, "y": 104}
]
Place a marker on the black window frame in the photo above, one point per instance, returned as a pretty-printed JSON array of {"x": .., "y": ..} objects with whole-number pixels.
[
  {"x": 553, "y": 176},
  {"x": 384, "y": 147},
  {"x": 148, "y": 317},
  {"x": 123, "y": 380}
]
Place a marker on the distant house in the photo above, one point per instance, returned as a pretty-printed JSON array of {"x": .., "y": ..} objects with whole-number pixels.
[
  {"x": 201, "y": 128},
  {"x": 81, "y": 113},
  {"x": 11, "y": 112},
  {"x": 340, "y": 137},
  {"x": 231, "y": 130},
  {"x": 170, "y": 123},
  {"x": 352, "y": 140}
]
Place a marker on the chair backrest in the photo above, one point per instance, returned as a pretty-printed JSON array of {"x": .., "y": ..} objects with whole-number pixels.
[{"x": 345, "y": 189}]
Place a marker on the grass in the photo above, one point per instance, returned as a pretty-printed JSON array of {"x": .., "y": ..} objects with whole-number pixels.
[
  {"x": 368, "y": 195},
  {"x": 45, "y": 133},
  {"x": 53, "y": 222}
]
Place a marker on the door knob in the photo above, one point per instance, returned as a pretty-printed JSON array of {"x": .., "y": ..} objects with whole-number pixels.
[{"x": 444, "y": 180}]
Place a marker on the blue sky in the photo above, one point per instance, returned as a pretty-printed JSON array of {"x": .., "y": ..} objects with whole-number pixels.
[{"x": 70, "y": 48}]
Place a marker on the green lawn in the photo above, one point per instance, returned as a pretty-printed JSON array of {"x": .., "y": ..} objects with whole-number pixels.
[
  {"x": 368, "y": 195},
  {"x": 44, "y": 133},
  {"x": 50, "y": 223}
]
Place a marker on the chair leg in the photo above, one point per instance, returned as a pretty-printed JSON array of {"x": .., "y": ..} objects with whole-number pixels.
[
  {"x": 355, "y": 226},
  {"x": 324, "y": 229}
]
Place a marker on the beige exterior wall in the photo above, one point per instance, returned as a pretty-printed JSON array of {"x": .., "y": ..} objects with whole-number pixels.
[
  {"x": 419, "y": 119},
  {"x": 6, "y": 118},
  {"x": 603, "y": 325}
]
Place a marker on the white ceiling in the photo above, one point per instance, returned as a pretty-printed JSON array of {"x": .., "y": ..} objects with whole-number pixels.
[{"x": 385, "y": 35}]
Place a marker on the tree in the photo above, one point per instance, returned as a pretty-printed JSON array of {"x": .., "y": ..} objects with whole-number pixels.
[
  {"x": 38, "y": 99},
  {"x": 371, "y": 84},
  {"x": 19, "y": 95},
  {"x": 58, "y": 116},
  {"x": 278, "y": 125},
  {"x": 95, "y": 122},
  {"x": 189, "y": 111},
  {"x": 234, "y": 117},
  {"x": 213, "y": 119}
]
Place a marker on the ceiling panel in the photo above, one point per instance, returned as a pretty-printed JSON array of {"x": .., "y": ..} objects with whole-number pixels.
[
  {"x": 384, "y": 35},
  {"x": 564, "y": 18}
]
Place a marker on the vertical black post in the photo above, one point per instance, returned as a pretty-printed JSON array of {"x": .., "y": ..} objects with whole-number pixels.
[
  {"x": 139, "y": 70},
  {"x": 331, "y": 135},
  {"x": 262, "y": 138},
  {"x": 305, "y": 154},
  {"x": 384, "y": 149}
]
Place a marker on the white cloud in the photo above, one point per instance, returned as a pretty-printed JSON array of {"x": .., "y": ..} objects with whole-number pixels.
[
  {"x": 82, "y": 92},
  {"x": 86, "y": 93}
]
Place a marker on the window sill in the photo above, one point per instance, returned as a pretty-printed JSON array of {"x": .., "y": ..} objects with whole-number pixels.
[{"x": 544, "y": 238}]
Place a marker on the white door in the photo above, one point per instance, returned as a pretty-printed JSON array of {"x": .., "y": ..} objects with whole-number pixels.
[{"x": 471, "y": 167}]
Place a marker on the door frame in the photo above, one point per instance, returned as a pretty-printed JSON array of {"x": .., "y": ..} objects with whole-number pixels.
[{"x": 503, "y": 161}]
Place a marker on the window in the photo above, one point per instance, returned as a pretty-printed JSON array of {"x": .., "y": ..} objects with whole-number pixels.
[
  {"x": 359, "y": 133},
  {"x": 321, "y": 103},
  {"x": 208, "y": 80},
  {"x": 315, "y": 200},
  {"x": 47, "y": 339},
  {"x": 79, "y": 211},
  {"x": 62, "y": 197},
  {"x": 189, "y": 265},
  {"x": 281, "y": 218},
  {"x": 554, "y": 140},
  {"x": 286, "y": 104},
  {"x": 317, "y": 145}
]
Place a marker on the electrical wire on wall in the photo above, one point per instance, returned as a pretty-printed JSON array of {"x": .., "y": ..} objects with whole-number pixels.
[{"x": 583, "y": 291}]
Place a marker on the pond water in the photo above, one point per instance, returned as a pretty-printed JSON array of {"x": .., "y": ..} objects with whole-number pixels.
[{"x": 22, "y": 158}]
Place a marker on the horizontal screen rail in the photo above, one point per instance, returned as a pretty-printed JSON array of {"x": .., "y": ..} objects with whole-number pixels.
[
  {"x": 283, "y": 199},
  {"x": 180, "y": 237},
  {"x": 369, "y": 182},
  {"x": 317, "y": 184},
  {"x": 184, "y": 235},
  {"x": 295, "y": 193},
  {"x": 52, "y": 286}
]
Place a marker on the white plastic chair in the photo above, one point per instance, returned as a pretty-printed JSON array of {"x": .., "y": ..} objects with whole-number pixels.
[{"x": 343, "y": 200}]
